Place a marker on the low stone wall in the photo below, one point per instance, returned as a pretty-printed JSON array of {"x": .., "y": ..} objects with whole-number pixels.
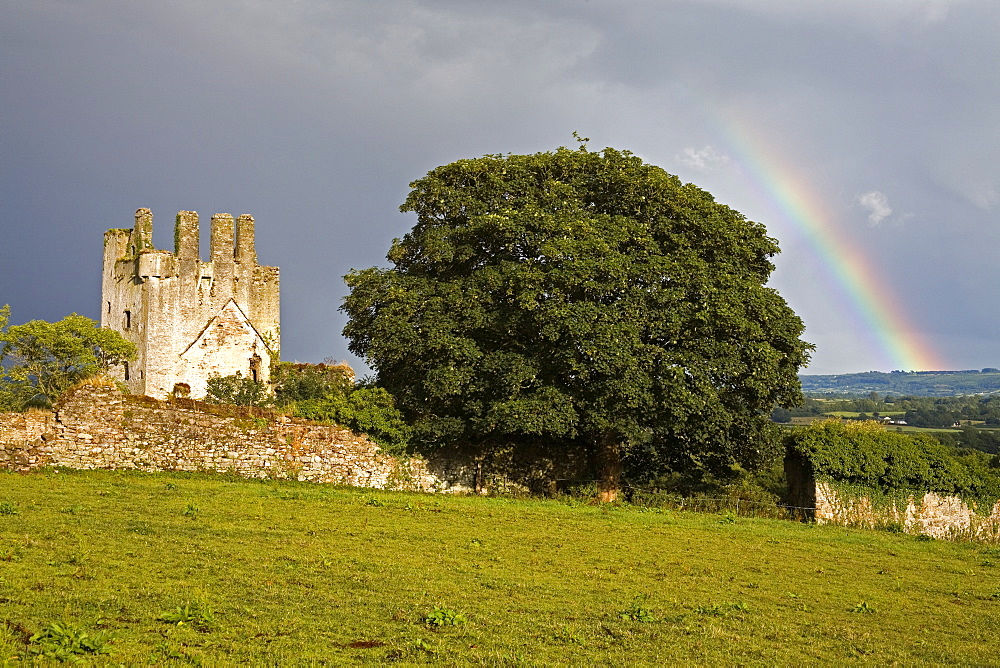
[
  {"x": 21, "y": 435},
  {"x": 96, "y": 426},
  {"x": 943, "y": 517}
]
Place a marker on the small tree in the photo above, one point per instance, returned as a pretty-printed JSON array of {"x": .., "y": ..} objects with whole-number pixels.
[{"x": 43, "y": 359}]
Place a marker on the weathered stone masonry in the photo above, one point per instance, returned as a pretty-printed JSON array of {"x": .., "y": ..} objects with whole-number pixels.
[
  {"x": 190, "y": 319},
  {"x": 96, "y": 426},
  {"x": 931, "y": 514}
]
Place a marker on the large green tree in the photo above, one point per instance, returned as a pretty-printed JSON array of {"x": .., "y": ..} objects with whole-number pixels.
[
  {"x": 43, "y": 359},
  {"x": 579, "y": 297}
]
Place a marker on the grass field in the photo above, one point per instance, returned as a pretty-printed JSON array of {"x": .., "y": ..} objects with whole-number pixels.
[
  {"x": 854, "y": 414},
  {"x": 170, "y": 568}
]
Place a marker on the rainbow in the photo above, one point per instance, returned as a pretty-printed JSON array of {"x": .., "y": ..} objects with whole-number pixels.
[{"x": 879, "y": 313}]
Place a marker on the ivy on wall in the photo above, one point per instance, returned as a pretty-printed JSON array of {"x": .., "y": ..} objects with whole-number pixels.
[{"x": 866, "y": 454}]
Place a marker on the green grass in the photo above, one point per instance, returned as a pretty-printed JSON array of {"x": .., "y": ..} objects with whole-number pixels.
[{"x": 172, "y": 568}]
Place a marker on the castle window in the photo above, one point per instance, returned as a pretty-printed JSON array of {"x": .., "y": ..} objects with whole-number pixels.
[
  {"x": 128, "y": 319},
  {"x": 255, "y": 368},
  {"x": 109, "y": 307},
  {"x": 126, "y": 370}
]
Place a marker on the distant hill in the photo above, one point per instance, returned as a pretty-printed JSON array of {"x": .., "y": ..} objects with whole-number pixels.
[{"x": 912, "y": 383}]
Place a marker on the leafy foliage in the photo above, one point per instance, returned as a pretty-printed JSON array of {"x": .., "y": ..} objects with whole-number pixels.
[
  {"x": 864, "y": 607},
  {"x": 867, "y": 455},
  {"x": 43, "y": 359},
  {"x": 65, "y": 642},
  {"x": 577, "y": 296},
  {"x": 238, "y": 390},
  {"x": 197, "y": 615},
  {"x": 304, "y": 382},
  {"x": 444, "y": 617},
  {"x": 328, "y": 393},
  {"x": 637, "y": 612}
]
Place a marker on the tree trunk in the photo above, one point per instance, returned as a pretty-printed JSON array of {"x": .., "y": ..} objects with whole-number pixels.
[
  {"x": 608, "y": 459},
  {"x": 479, "y": 475}
]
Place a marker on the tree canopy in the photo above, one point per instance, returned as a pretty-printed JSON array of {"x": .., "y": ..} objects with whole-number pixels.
[
  {"x": 43, "y": 359},
  {"x": 579, "y": 297}
]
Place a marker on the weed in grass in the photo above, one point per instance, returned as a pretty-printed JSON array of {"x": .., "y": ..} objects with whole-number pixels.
[
  {"x": 728, "y": 518},
  {"x": 191, "y": 511},
  {"x": 375, "y": 503},
  {"x": 637, "y": 613},
  {"x": 569, "y": 636},
  {"x": 444, "y": 617},
  {"x": 65, "y": 642},
  {"x": 864, "y": 608},
  {"x": 8, "y": 508},
  {"x": 422, "y": 645},
  {"x": 166, "y": 651},
  {"x": 196, "y": 615}
]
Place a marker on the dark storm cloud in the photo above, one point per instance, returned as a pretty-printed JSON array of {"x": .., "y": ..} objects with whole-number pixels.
[{"x": 315, "y": 115}]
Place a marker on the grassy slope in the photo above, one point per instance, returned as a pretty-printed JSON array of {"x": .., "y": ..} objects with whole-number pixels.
[{"x": 296, "y": 573}]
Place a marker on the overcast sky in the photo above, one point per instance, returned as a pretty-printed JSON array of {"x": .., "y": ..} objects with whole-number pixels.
[{"x": 879, "y": 117}]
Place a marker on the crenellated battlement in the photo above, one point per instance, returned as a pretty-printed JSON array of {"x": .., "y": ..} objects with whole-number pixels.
[{"x": 190, "y": 318}]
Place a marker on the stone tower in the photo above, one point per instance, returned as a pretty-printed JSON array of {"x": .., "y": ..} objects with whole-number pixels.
[{"x": 190, "y": 319}]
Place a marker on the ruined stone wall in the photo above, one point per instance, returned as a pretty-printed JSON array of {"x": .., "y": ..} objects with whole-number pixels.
[
  {"x": 20, "y": 437},
  {"x": 167, "y": 302},
  {"x": 931, "y": 514},
  {"x": 935, "y": 515},
  {"x": 95, "y": 426}
]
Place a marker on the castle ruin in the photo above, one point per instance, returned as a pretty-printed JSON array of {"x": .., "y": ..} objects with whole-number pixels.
[{"x": 190, "y": 319}]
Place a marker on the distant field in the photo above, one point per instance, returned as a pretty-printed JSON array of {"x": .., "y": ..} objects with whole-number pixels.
[
  {"x": 854, "y": 414},
  {"x": 804, "y": 421},
  {"x": 207, "y": 570},
  {"x": 918, "y": 384}
]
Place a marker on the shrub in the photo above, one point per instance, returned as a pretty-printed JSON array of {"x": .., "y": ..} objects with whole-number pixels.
[{"x": 238, "y": 391}]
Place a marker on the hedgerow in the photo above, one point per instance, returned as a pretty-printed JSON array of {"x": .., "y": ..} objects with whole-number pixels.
[{"x": 866, "y": 454}]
